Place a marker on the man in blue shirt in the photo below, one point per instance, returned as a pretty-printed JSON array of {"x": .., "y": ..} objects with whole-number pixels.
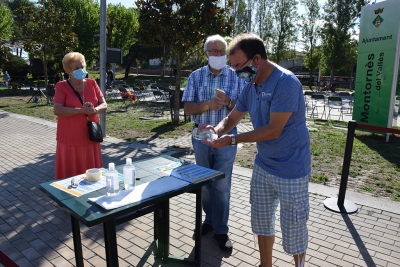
[
  {"x": 210, "y": 94},
  {"x": 282, "y": 167}
]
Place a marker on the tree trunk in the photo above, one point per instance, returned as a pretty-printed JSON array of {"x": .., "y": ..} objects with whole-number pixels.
[
  {"x": 310, "y": 81},
  {"x": 128, "y": 67},
  {"x": 45, "y": 75},
  {"x": 177, "y": 89}
]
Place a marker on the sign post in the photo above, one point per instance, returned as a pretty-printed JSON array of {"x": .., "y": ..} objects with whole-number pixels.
[{"x": 377, "y": 90}]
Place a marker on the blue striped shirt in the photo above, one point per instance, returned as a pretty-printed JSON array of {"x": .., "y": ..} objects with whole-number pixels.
[{"x": 201, "y": 86}]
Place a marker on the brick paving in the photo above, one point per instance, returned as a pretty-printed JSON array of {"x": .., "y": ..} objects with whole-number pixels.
[{"x": 35, "y": 232}]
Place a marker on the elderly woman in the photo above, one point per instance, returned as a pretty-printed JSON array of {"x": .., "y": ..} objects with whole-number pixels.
[{"x": 75, "y": 152}]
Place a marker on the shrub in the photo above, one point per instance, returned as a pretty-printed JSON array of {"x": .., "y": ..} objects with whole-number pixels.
[{"x": 17, "y": 68}]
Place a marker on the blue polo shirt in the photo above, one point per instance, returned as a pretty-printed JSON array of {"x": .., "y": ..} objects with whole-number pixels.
[{"x": 287, "y": 156}]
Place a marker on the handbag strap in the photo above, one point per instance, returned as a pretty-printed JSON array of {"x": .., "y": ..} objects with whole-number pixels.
[{"x": 78, "y": 95}]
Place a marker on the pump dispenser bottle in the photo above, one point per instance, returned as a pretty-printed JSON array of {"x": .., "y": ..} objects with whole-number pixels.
[
  {"x": 112, "y": 181},
  {"x": 129, "y": 175}
]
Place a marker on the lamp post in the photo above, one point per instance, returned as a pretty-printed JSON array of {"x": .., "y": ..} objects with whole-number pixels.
[
  {"x": 248, "y": 16},
  {"x": 103, "y": 55}
]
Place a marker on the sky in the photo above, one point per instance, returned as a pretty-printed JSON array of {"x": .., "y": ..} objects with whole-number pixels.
[{"x": 126, "y": 3}]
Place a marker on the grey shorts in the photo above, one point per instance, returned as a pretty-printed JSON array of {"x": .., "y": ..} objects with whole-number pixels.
[{"x": 266, "y": 192}]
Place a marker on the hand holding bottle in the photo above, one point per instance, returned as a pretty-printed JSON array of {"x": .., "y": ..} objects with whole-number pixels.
[{"x": 204, "y": 134}]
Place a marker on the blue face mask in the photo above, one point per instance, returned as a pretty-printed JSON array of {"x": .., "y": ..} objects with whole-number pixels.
[
  {"x": 79, "y": 74},
  {"x": 248, "y": 73}
]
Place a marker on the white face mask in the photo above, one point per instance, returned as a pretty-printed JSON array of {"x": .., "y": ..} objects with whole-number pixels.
[{"x": 217, "y": 62}]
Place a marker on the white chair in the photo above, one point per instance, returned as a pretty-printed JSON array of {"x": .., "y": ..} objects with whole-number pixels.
[
  {"x": 308, "y": 100},
  {"x": 347, "y": 100},
  {"x": 318, "y": 103},
  {"x": 335, "y": 103}
]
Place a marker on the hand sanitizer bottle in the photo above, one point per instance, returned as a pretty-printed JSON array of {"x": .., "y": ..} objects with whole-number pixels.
[
  {"x": 112, "y": 181},
  {"x": 129, "y": 175}
]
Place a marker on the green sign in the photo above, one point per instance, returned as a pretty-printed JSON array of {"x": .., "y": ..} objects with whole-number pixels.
[{"x": 377, "y": 64}]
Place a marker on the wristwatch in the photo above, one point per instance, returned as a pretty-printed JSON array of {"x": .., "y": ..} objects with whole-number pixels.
[
  {"x": 95, "y": 110},
  {"x": 233, "y": 140},
  {"x": 230, "y": 102}
]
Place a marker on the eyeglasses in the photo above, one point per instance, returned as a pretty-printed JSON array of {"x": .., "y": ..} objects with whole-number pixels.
[
  {"x": 215, "y": 52},
  {"x": 241, "y": 66}
]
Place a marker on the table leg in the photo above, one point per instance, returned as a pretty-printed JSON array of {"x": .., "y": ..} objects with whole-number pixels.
[
  {"x": 198, "y": 219},
  {"x": 163, "y": 240},
  {"x": 197, "y": 235},
  {"x": 110, "y": 240},
  {"x": 158, "y": 231},
  {"x": 76, "y": 236}
]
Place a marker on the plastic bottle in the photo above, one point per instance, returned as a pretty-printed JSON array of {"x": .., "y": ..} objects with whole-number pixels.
[
  {"x": 112, "y": 180},
  {"x": 208, "y": 135},
  {"x": 129, "y": 175}
]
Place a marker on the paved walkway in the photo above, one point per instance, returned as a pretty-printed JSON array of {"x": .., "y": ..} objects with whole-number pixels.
[{"x": 35, "y": 232}]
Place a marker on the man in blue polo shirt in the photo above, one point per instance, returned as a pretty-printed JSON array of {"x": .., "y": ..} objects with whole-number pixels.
[
  {"x": 282, "y": 167},
  {"x": 210, "y": 94}
]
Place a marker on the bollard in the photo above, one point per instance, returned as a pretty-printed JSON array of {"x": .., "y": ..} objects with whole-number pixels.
[{"x": 339, "y": 204}]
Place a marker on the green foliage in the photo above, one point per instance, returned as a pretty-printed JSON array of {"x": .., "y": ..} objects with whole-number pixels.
[
  {"x": 6, "y": 22},
  {"x": 340, "y": 17},
  {"x": 180, "y": 25},
  {"x": 310, "y": 30},
  {"x": 16, "y": 67},
  {"x": 284, "y": 31},
  {"x": 17, "y": 36},
  {"x": 85, "y": 15},
  {"x": 47, "y": 30},
  {"x": 6, "y": 30},
  {"x": 122, "y": 24},
  {"x": 241, "y": 24}
]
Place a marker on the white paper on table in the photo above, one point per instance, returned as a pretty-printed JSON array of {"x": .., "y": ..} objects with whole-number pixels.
[{"x": 141, "y": 192}]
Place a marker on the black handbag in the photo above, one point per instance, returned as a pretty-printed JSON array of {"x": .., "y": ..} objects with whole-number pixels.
[{"x": 95, "y": 132}]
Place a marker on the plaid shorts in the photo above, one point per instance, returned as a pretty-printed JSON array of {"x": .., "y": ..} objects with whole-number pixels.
[{"x": 266, "y": 192}]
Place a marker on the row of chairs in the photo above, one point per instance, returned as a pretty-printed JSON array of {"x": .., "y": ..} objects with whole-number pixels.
[
  {"x": 316, "y": 101},
  {"x": 162, "y": 96}
]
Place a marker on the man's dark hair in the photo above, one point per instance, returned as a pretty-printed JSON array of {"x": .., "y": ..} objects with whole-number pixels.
[{"x": 250, "y": 44}]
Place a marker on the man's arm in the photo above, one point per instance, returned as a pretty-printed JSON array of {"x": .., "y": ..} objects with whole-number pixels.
[
  {"x": 229, "y": 122},
  {"x": 193, "y": 108},
  {"x": 270, "y": 131}
]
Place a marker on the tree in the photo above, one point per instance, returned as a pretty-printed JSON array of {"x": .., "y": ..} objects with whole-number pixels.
[
  {"x": 284, "y": 28},
  {"x": 122, "y": 25},
  {"x": 17, "y": 37},
  {"x": 241, "y": 24},
  {"x": 6, "y": 30},
  {"x": 340, "y": 17},
  {"x": 85, "y": 15},
  {"x": 16, "y": 67},
  {"x": 310, "y": 31},
  {"x": 181, "y": 25},
  {"x": 140, "y": 53},
  {"x": 48, "y": 32},
  {"x": 264, "y": 22},
  {"x": 351, "y": 55}
]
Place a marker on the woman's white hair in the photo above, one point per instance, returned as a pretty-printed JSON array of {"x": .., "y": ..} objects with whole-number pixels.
[{"x": 215, "y": 38}]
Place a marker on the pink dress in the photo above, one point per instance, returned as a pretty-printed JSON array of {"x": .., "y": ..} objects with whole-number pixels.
[{"x": 75, "y": 153}]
